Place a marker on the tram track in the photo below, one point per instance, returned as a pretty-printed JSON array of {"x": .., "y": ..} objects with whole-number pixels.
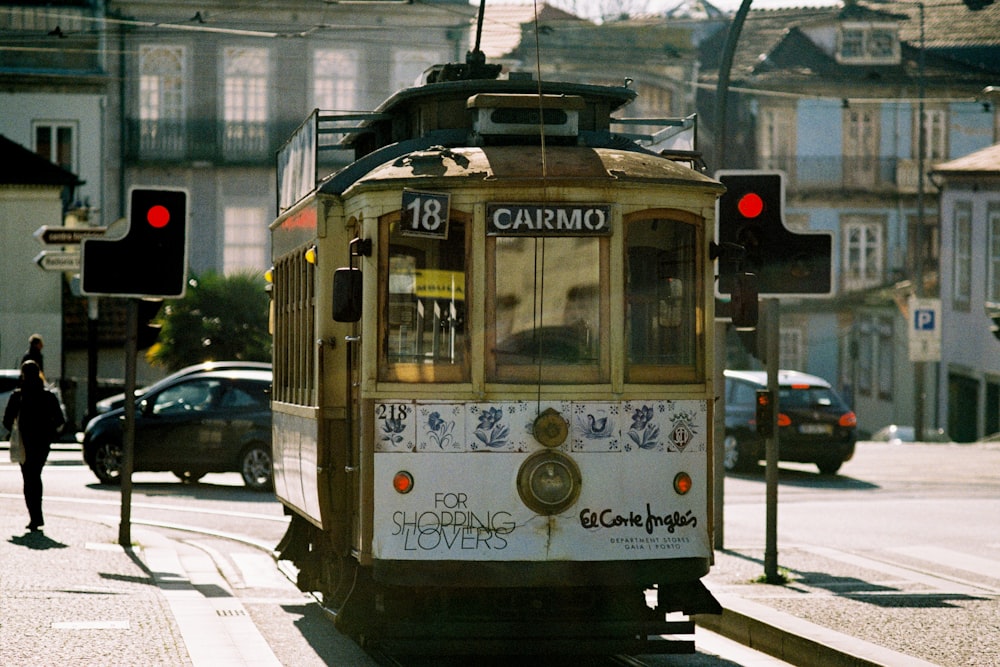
[
  {"x": 385, "y": 659},
  {"x": 376, "y": 652}
]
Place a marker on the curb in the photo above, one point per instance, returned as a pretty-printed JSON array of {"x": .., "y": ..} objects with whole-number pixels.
[{"x": 796, "y": 641}]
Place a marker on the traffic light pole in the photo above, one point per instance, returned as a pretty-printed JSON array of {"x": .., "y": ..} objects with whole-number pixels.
[
  {"x": 772, "y": 322},
  {"x": 128, "y": 439}
]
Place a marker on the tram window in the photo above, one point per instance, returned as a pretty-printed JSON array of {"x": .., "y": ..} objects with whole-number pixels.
[
  {"x": 549, "y": 311},
  {"x": 662, "y": 294},
  {"x": 424, "y": 336}
]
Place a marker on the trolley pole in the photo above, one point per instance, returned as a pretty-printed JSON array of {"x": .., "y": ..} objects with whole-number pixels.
[{"x": 772, "y": 322}]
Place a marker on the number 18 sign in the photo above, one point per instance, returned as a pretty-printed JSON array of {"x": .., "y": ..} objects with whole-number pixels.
[{"x": 425, "y": 214}]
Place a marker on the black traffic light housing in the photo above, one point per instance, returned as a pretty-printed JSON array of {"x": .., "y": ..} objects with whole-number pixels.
[
  {"x": 765, "y": 413},
  {"x": 751, "y": 214},
  {"x": 151, "y": 259}
]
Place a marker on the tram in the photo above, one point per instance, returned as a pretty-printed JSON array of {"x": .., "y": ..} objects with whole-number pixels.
[{"x": 493, "y": 389}]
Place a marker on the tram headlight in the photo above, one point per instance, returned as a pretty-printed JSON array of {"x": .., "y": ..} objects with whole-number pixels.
[
  {"x": 402, "y": 481},
  {"x": 682, "y": 483},
  {"x": 549, "y": 482}
]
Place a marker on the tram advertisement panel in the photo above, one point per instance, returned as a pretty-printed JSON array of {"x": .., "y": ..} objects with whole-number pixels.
[{"x": 465, "y": 458}]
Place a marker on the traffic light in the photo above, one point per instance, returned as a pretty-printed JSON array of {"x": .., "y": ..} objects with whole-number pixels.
[
  {"x": 765, "y": 413},
  {"x": 751, "y": 214},
  {"x": 151, "y": 259}
]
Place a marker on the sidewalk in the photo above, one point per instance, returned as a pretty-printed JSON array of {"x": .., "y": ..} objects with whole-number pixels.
[
  {"x": 72, "y": 595},
  {"x": 839, "y": 608}
]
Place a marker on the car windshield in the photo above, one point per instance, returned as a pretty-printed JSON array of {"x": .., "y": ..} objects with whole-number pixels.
[
  {"x": 807, "y": 398},
  {"x": 196, "y": 395}
]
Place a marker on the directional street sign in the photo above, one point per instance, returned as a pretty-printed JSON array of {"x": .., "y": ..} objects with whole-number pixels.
[
  {"x": 66, "y": 235},
  {"x": 53, "y": 260}
]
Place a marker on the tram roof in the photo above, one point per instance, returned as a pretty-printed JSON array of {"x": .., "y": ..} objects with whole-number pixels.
[
  {"x": 454, "y": 110},
  {"x": 510, "y": 163}
]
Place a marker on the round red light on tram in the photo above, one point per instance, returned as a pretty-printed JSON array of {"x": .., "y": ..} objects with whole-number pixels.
[
  {"x": 402, "y": 482},
  {"x": 750, "y": 205},
  {"x": 682, "y": 483},
  {"x": 158, "y": 216}
]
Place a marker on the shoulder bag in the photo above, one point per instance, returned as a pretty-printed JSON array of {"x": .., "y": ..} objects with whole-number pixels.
[{"x": 17, "y": 454}]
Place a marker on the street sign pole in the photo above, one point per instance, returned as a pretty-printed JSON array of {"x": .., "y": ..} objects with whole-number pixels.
[
  {"x": 131, "y": 349},
  {"x": 772, "y": 318}
]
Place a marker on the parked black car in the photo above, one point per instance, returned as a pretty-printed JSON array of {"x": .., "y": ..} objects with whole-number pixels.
[
  {"x": 209, "y": 421},
  {"x": 814, "y": 423},
  {"x": 118, "y": 400}
]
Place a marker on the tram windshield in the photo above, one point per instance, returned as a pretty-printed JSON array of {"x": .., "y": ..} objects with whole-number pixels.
[
  {"x": 548, "y": 306},
  {"x": 548, "y": 309}
]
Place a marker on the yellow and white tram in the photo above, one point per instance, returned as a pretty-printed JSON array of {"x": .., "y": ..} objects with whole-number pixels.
[{"x": 493, "y": 386}]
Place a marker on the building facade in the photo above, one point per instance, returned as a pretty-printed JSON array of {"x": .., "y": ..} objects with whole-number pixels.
[
  {"x": 853, "y": 104},
  {"x": 969, "y": 383}
]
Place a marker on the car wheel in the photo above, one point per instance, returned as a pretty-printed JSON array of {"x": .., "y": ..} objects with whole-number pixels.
[
  {"x": 189, "y": 476},
  {"x": 829, "y": 466},
  {"x": 108, "y": 463},
  {"x": 736, "y": 458},
  {"x": 255, "y": 466}
]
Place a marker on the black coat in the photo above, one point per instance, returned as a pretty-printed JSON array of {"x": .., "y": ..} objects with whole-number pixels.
[{"x": 41, "y": 416}]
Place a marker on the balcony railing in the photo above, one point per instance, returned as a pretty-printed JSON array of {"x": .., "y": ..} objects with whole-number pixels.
[
  {"x": 212, "y": 141},
  {"x": 848, "y": 173}
]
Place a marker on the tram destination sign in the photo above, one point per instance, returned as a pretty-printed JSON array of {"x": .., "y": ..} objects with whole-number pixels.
[
  {"x": 425, "y": 214},
  {"x": 548, "y": 219}
]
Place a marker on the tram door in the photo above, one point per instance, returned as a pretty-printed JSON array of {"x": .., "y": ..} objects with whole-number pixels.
[{"x": 426, "y": 299}]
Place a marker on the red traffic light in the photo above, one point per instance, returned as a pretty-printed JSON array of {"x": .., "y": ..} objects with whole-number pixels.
[
  {"x": 158, "y": 216},
  {"x": 750, "y": 214},
  {"x": 750, "y": 205},
  {"x": 150, "y": 260}
]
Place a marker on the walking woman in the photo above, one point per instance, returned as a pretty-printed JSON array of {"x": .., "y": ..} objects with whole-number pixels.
[{"x": 39, "y": 419}]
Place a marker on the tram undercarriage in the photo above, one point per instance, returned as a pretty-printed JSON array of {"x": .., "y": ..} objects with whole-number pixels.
[{"x": 466, "y": 618}]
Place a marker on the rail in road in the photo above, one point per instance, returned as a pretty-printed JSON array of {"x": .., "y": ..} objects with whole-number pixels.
[{"x": 899, "y": 551}]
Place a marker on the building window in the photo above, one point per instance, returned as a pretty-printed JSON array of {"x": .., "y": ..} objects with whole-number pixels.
[
  {"x": 861, "y": 145},
  {"x": 862, "y": 252},
  {"x": 993, "y": 248},
  {"x": 882, "y": 43},
  {"x": 935, "y": 130},
  {"x": 55, "y": 141},
  {"x": 776, "y": 138},
  {"x": 335, "y": 80},
  {"x": 868, "y": 44},
  {"x": 791, "y": 351},
  {"x": 962, "y": 234},
  {"x": 245, "y": 102},
  {"x": 245, "y": 239},
  {"x": 161, "y": 100},
  {"x": 852, "y": 43}
]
